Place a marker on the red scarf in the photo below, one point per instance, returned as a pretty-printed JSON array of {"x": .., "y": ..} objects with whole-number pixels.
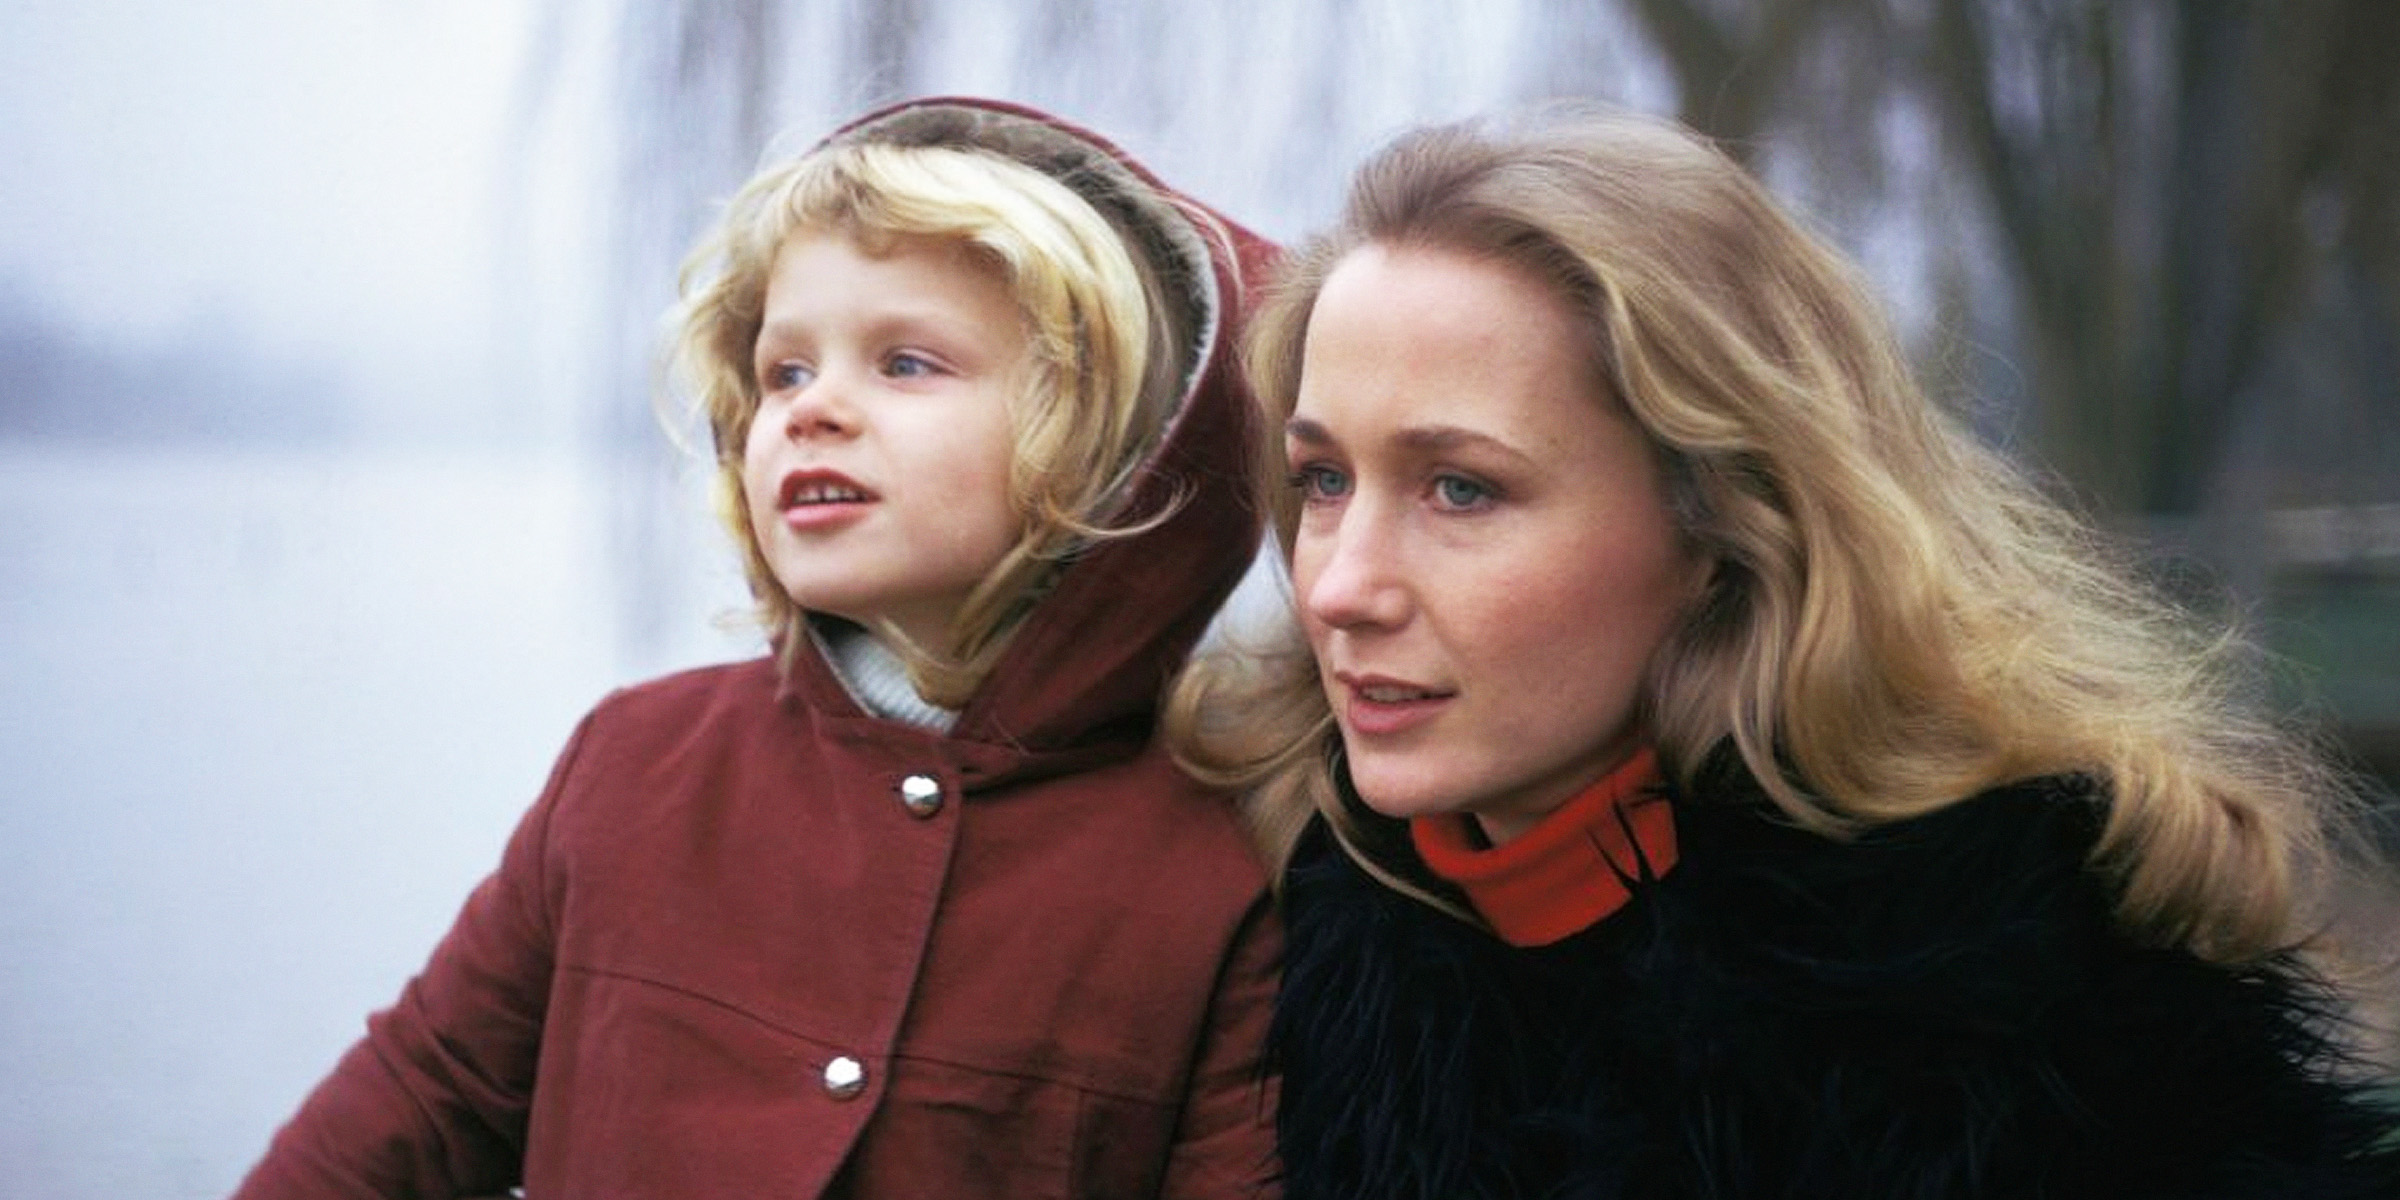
[{"x": 1568, "y": 871}]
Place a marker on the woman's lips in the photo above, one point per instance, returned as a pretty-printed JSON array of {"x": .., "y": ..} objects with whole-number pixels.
[{"x": 1376, "y": 705}]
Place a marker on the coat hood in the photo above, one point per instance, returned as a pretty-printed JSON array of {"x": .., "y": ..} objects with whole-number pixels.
[{"x": 1085, "y": 669}]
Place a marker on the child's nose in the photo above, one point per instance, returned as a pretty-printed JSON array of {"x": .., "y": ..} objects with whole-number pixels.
[{"x": 823, "y": 409}]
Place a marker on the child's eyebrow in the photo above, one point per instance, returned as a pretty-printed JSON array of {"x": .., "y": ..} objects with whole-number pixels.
[
  {"x": 776, "y": 333},
  {"x": 893, "y": 321}
]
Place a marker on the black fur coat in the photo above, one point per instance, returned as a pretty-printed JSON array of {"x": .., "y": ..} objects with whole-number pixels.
[{"x": 1942, "y": 1008}]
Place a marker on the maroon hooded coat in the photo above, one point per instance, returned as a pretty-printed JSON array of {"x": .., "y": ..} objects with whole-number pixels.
[{"x": 753, "y": 941}]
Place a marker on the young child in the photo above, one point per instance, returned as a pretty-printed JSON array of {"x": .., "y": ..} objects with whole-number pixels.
[{"x": 912, "y": 906}]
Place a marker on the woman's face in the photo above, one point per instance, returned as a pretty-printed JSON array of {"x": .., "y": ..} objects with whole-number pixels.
[{"x": 1484, "y": 561}]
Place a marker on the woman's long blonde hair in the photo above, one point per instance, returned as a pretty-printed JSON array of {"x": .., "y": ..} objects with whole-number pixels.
[{"x": 1897, "y": 619}]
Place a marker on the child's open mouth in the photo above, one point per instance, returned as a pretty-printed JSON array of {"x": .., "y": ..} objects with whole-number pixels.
[{"x": 803, "y": 489}]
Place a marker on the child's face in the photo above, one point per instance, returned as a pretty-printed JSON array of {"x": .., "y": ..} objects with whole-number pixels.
[{"x": 876, "y": 470}]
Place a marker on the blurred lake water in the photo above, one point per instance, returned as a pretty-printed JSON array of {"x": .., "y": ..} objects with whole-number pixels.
[{"x": 268, "y": 717}]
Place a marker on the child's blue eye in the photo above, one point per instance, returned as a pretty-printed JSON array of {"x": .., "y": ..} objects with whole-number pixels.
[
  {"x": 1460, "y": 492},
  {"x": 783, "y": 375},
  {"x": 908, "y": 366}
]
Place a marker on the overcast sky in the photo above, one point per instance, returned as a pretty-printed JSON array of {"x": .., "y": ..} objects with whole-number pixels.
[{"x": 316, "y": 177}]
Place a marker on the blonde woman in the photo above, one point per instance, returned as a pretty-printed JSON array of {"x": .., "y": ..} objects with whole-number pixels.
[{"x": 1701, "y": 770}]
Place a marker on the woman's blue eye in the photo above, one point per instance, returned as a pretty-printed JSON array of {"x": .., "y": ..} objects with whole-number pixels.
[
  {"x": 1458, "y": 491},
  {"x": 1321, "y": 483}
]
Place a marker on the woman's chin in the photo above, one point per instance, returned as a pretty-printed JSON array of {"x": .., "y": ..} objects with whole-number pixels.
[{"x": 1404, "y": 804}]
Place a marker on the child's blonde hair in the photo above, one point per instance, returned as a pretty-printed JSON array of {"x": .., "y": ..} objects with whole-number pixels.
[{"x": 1111, "y": 324}]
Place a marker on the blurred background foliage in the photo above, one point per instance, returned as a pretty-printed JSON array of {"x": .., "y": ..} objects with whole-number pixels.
[{"x": 2151, "y": 248}]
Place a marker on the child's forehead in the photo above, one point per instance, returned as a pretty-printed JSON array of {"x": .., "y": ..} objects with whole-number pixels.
[
  {"x": 829, "y": 273},
  {"x": 957, "y": 251},
  {"x": 871, "y": 240}
]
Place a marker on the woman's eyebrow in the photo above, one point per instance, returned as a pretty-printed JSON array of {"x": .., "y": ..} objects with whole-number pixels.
[
  {"x": 1426, "y": 438},
  {"x": 1302, "y": 429},
  {"x": 1425, "y": 441},
  {"x": 1444, "y": 439}
]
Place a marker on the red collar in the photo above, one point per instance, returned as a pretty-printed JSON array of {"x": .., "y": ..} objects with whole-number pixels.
[{"x": 1572, "y": 868}]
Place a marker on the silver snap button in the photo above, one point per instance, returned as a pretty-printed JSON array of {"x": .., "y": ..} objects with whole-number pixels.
[
  {"x": 921, "y": 795},
  {"x": 845, "y": 1077}
]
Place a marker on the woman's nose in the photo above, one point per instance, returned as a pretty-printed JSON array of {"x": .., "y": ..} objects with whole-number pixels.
[{"x": 1350, "y": 576}]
